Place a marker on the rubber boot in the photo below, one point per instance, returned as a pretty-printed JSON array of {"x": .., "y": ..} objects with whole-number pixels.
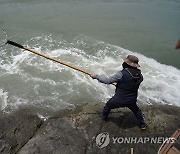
[{"x": 140, "y": 119}]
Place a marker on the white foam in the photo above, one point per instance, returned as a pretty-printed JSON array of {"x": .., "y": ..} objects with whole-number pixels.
[
  {"x": 13, "y": 67},
  {"x": 161, "y": 82},
  {"x": 53, "y": 86},
  {"x": 3, "y": 99}
]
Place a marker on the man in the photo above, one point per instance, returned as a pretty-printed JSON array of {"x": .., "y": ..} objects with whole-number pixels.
[
  {"x": 128, "y": 81},
  {"x": 178, "y": 44}
]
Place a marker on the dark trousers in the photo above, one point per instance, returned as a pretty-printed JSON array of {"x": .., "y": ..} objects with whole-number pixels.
[{"x": 115, "y": 103}]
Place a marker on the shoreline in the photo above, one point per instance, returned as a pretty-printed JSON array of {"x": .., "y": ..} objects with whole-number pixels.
[{"x": 76, "y": 130}]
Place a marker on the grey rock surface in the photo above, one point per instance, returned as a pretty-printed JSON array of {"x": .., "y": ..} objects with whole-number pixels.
[
  {"x": 16, "y": 129},
  {"x": 76, "y": 131}
]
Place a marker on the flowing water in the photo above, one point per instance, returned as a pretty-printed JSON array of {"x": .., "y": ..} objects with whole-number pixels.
[{"x": 94, "y": 36}]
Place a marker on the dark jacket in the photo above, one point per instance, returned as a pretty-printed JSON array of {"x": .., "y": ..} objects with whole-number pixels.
[{"x": 128, "y": 81}]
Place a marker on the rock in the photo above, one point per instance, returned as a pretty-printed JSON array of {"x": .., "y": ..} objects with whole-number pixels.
[
  {"x": 56, "y": 136},
  {"x": 16, "y": 129},
  {"x": 76, "y": 132}
]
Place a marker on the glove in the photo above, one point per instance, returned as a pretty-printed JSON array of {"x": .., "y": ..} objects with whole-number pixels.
[{"x": 93, "y": 76}]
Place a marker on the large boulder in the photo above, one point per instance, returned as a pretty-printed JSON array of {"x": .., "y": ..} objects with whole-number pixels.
[
  {"x": 84, "y": 132},
  {"x": 16, "y": 129}
]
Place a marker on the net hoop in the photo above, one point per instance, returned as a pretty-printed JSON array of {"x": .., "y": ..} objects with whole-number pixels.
[{"x": 4, "y": 40}]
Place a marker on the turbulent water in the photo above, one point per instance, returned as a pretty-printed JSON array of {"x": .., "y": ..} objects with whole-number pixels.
[
  {"x": 81, "y": 33},
  {"x": 29, "y": 80}
]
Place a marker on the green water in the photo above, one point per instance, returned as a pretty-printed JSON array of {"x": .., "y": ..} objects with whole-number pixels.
[{"x": 148, "y": 27}]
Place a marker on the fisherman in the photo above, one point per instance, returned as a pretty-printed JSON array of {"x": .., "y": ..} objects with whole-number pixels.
[
  {"x": 127, "y": 85},
  {"x": 178, "y": 44}
]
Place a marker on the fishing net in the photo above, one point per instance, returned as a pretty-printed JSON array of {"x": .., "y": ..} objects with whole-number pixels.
[{"x": 3, "y": 37}]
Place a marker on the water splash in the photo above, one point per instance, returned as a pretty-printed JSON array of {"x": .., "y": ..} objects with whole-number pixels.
[
  {"x": 3, "y": 99},
  {"x": 36, "y": 82}
]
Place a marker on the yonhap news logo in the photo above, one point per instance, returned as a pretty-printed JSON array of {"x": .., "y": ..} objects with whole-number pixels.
[{"x": 102, "y": 140}]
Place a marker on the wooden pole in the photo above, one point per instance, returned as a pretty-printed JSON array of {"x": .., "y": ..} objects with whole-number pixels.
[
  {"x": 49, "y": 58},
  {"x": 45, "y": 56},
  {"x": 132, "y": 151},
  {"x": 57, "y": 61}
]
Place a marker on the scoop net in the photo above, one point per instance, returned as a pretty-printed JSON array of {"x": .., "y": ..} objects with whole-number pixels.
[{"x": 3, "y": 37}]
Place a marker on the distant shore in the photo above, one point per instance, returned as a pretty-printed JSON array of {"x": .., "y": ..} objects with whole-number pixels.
[{"x": 75, "y": 131}]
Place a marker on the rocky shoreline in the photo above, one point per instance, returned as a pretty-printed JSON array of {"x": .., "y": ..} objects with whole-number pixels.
[{"x": 76, "y": 131}]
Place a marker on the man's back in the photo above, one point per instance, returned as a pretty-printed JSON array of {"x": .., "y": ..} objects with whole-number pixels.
[{"x": 127, "y": 87}]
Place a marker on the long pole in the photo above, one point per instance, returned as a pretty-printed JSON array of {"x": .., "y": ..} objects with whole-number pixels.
[{"x": 47, "y": 57}]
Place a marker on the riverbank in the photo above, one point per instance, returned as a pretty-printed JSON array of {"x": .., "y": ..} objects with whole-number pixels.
[{"x": 75, "y": 131}]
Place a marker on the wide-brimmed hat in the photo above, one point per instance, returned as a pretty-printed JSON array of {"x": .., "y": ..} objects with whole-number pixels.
[{"x": 132, "y": 61}]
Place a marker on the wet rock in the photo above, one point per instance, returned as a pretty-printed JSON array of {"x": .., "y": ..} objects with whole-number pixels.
[
  {"x": 16, "y": 129},
  {"x": 56, "y": 136},
  {"x": 77, "y": 132}
]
